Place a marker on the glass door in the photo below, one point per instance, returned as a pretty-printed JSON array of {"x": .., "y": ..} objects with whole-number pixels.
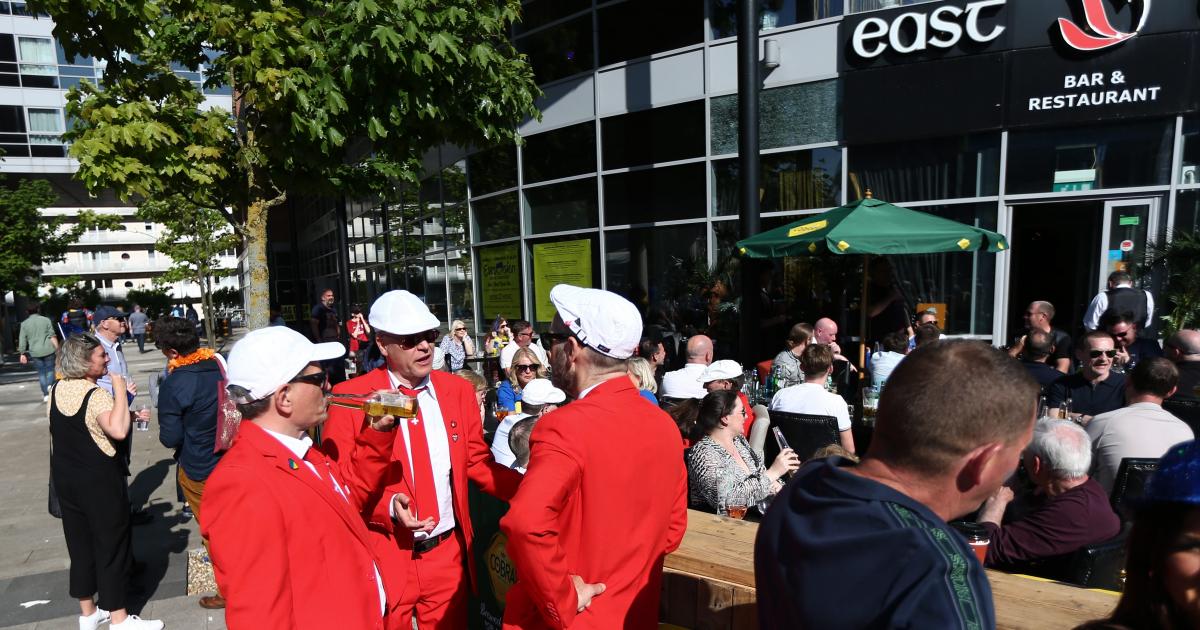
[{"x": 1127, "y": 226}]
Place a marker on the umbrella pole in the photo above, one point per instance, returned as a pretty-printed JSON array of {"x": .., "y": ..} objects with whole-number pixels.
[{"x": 862, "y": 317}]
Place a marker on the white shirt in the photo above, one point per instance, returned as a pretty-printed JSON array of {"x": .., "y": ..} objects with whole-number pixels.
[
  {"x": 501, "y": 451},
  {"x": 506, "y": 355},
  {"x": 1139, "y": 430},
  {"x": 116, "y": 363},
  {"x": 882, "y": 364},
  {"x": 299, "y": 447},
  {"x": 812, "y": 399},
  {"x": 439, "y": 455},
  {"x": 684, "y": 382},
  {"x": 1091, "y": 319}
]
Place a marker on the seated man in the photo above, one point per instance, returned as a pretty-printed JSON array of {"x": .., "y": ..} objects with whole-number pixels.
[
  {"x": 1038, "y": 346},
  {"x": 538, "y": 398},
  {"x": 868, "y": 546},
  {"x": 684, "y": 383},
  {"x": 1069, "y": 510},
  {"x": 518, "y": 442},
  {"x": 1095, "y": 388},
  {"x": 1142, "y": 429},
  {"x": 926, "y": 333},
  {"x": 895, "y": 348},
  {"x": 810, "y": 396}
]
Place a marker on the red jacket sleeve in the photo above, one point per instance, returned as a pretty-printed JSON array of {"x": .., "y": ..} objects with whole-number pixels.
[
  {"x": 363, "y": 472},
  {"x": 240, "y": 517},
  {"x": 530, "y": 525},
  {"x": 494, "y": 479},
  {"x": 678, "y": 525}
]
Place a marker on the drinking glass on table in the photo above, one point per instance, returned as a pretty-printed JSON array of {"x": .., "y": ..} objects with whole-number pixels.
[{"x": 734, "y": 504}]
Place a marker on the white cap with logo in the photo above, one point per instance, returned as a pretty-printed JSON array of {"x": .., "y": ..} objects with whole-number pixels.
[
  {"x": 541, "y": 391},
  {"x": 402, "y": 313},
  {"x": 723, "y": 369},
  {"x": 268, "y": 358},
  {"x": 601, "y": 320}
]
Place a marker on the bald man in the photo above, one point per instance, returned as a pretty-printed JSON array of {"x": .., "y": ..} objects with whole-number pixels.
[
  {"x": 685, "y": 382},
  {"x": 1183, "y": 349},
  {"x": 825, "y": 333}
]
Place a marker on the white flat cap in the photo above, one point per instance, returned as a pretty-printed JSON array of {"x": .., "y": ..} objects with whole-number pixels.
[
  {"x": 402, "y": 313},
  {"x": 717, "y": 370},
  {"x": 267, "y": 358},
  {"x": 541, "y": 391},
  {"x": 601, "y": 320}
]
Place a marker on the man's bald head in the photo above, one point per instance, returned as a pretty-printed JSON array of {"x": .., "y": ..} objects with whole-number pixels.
[
  {"x": 1184, "y": 345},
  {"x": 699, "y": 350},
  {"x": 825, "y": 331}
]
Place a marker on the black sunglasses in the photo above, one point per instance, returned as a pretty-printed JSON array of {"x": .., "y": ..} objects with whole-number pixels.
[
  {"x": 532, "y": 367},
  {"x": 551, "y": 338},
  {"x": 316, "y": 378},
  {"x": 415, "y": 339},
  {"x": 1095, "y": 354}
]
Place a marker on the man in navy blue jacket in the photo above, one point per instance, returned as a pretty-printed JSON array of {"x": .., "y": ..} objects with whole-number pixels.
[
  {"x": 187, "y": 411},
  {"x": 867, "y": 546}
]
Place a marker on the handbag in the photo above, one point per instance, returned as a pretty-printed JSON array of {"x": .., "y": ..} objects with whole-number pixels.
[{"x": 228, "y": 416}]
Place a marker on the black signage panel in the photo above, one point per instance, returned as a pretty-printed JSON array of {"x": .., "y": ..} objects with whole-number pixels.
[
  {"x": 934, "y": 99},
  {"x": 1145, "y": 76},
  {"x": 923, "y": 32},
  {"x": 1036, "y": 23}
]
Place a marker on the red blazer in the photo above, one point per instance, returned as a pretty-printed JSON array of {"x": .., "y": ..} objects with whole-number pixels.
[
  {"x": 605, "y": 498},
  {"x": 285, "y": 545},
  {"x": 470, "y": 458}
]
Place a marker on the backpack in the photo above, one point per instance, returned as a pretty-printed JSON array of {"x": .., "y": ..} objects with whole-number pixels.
[{"x": 228, "y": 416}]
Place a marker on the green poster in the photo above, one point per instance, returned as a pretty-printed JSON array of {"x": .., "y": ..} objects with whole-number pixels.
[
  {"x": 564, "y": 262},
  {"x": 499, "y": 282}
]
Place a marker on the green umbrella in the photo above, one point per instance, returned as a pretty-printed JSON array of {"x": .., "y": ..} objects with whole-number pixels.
[{"x": 871, "y": 226}]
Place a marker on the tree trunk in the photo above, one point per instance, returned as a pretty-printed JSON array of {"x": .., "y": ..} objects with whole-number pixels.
[
  {"x": 258, "y": 294},
  {"x": 206, "y": 305}
]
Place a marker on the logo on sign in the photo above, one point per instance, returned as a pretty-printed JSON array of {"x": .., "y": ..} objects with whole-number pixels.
[
  {"x": 1100, "y": 32},
  {"x": 944, "y": 27},
  {"x": 1126, "y": 246}
]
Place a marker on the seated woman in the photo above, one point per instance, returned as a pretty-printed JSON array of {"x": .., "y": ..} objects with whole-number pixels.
[
  {"x": 721, "y": 465},
  {"x": 525, "y": 367},
  {"x": 786, "y": 366},
  {"x": 642, "y": 376}
]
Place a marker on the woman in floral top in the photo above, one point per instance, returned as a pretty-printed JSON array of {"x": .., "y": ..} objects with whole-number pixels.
[{"x": 722, "y": 467}]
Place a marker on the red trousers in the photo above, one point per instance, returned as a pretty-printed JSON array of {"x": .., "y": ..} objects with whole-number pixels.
[{"x": 436, "y": 592}]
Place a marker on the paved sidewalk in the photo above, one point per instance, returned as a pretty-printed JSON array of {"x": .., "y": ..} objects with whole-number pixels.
[{"x": 33, "y": 554}]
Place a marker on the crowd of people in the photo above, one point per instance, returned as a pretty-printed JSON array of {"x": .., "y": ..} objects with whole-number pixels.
[{"x": 1020, "y": 445}]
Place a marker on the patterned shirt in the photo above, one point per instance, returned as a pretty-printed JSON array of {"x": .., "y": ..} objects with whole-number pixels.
[{"x": 714, "y": 477}]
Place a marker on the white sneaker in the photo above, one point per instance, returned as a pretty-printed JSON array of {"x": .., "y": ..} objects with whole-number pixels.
[
  {"x": 46, "y": 398},
  {"x": 134, "y": 622},
  {"x": 94, "y": 620}
]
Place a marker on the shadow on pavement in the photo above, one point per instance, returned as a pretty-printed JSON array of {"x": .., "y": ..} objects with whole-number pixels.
[{"x": 155, "y": 576}]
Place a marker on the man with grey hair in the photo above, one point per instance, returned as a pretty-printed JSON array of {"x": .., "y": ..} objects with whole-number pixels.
[{"x": 1069, "y": 510}]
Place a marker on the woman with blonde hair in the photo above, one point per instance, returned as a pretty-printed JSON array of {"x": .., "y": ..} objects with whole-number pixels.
[
  {"x": 642, "y": 376},
  {"x": 525, "y": 367},
  {"x": 457, "y": 345}
]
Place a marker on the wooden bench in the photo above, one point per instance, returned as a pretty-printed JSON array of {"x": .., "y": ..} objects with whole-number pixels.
[{"x": 709, "y": 584}]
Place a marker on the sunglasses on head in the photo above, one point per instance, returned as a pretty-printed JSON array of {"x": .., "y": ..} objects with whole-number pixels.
[
  {"x": 316, "y": 378},
  {"x": 526, "y": 367},
  {"x": 415, "y": 339},
  {"x": 1095, "y": 354}
]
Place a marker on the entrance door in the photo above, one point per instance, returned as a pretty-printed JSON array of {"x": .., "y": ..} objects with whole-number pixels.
[
  {"x": 1127, "y": 223},
  {"x": 1054, "y": 248}
]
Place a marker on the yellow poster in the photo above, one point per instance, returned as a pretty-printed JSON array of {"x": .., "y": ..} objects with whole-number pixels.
[
  {"x": 499, "y": 282},
  {"x": 565, "y": 262}
]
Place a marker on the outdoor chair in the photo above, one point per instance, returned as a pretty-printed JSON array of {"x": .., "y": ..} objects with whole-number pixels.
[
  {"x": 1098, "y": 565},
  {"x": 1185, "y": 409},
  {"x": 1130, "y": 484},
  {"x": 804, "y": 434},
  {"x": 760, "y": 428}
]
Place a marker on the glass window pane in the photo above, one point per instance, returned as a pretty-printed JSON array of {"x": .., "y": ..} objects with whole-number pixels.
[
  {"x": 458, "y": 266},
  {"x": 788, "y": 116},
  {"x": 45, "y": 120},
  {"x": 535, "y": 13},
  {"x": 772, "y": 14},
  {"x": 1187, "y": 211},
  {"x": 859, "y": 6},
  {"x": 435, "y": 286},
  {"x": 11, "y": 119},
  {"x": 634, "y": 28},
  {"x": 8, "y": 48},
  {"x": 1092, "y": 157},
  {"x": 943, "y": 168},
  {"x": 796, "y": 180},
  {"x": 575, "y": 260},
  {"x": 560, "y": 207},
  {"x": 559, "y": 51},
  {"x": 655, "y": 266},
  {"x": 654, "y": 135},
  {"x": 493, "y": 169},
  {"x": 454, "y": 183},
  {"x": 560, "y": 153},
  {"x": 496, "y": 217},
  {"x": 659, "y": 194},
  {"x": 1189, "y": 170}
]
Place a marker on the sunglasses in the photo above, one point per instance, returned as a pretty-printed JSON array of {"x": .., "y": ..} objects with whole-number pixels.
[
  {"x": 553, "y": 337},
  {"x": 415, "y": 339},
  {"x": 459, "y": 329},
  {"x": 528, "y": 367},
  {"x": 1095, "y": 354},
  {"x": 317, "y": 379}
]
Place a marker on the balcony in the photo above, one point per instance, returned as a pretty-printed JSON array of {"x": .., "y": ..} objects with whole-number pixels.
[
  {"x": 107, "y": 267},
  {"x": 120, "y": 237}
]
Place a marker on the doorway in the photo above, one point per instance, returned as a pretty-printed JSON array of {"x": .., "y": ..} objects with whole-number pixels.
[{"x": 1055, "y": 257}]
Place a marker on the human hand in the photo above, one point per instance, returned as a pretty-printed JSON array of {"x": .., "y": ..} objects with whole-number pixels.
[
  {"x": 118, "y": 383},
  {"x": 1122, "y": 357},
  {"x": 1003, "y": 494},
  {"x": 584, "y": 592},
  {"x": 24, "y": 359},
  {"x": 130, "y": 385},
  {"x": 400, "y": 503},
  {"x": 382, "y": 423},
  {"x": 993, "y": 508},
  {"x": 835, "y": 348},
  {"x": 785, "y": 462}
]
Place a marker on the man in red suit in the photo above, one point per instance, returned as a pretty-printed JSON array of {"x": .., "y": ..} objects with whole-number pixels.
[
  {"x": 288, "y": 543},
  {"x": 596, "y": 513},
  {"x": 420, "y": 524}
]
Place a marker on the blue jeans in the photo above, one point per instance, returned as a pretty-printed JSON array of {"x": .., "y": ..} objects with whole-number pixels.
[
  {"x": 141, "y": 339},
  {"x": 45, "y": 369}
]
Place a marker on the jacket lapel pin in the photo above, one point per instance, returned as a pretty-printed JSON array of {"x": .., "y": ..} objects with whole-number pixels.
[
  {"x": 453, "y": 424},
  {"x": 454, "y": 436},
  {"x": 293, "y": 465}
]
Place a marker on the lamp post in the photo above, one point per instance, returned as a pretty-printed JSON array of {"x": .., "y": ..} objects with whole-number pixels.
[{"x": 748, "y": 88}]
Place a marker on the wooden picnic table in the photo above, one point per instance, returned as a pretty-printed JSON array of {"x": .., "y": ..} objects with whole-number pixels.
[{"x": 709, "y": 583}]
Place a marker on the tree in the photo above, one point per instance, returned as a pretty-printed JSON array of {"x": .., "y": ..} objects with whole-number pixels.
[
  {"x": 227, "y": 298},
  {"x": 330, "y": 96},
  {"x": 1179, "y": 261},
  {"x": 154, "y": 302},
  {"x": 194, "y": 238}
]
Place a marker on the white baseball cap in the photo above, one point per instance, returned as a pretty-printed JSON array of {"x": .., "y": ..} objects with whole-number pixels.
[
  {"x": 717, "y": 370},
  {"x": 402, "y": 313},
  {"x": 602, "y": 321},
  {"x": 541, "y": 391},
  {"x": 269, "y": 357}
]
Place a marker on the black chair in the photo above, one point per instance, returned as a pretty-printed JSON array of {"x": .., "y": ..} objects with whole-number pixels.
[
  {"x": 1099, "y": 565},
  {"x": 1186, "y": 409},
  {"x": 804, "y": 434},
  {"x": 1130, "y": 484}
]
